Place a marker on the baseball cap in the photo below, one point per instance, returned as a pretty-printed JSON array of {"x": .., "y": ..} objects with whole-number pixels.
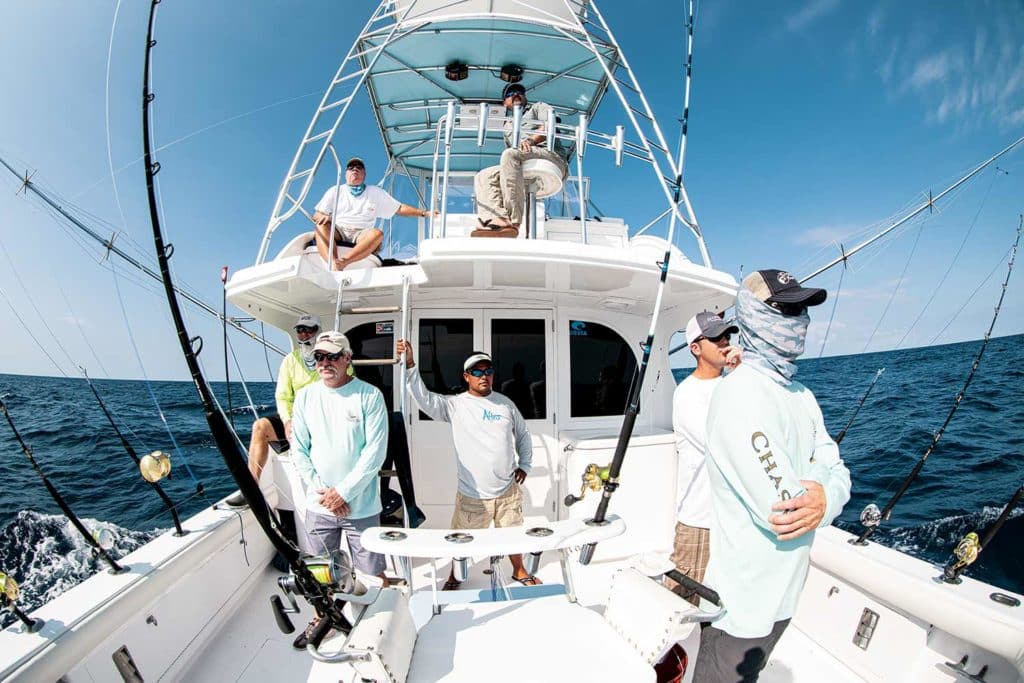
[
  {"x": 355, "y": 161},
  {"x": 476, "y": 357},
  {"x": 308, "y": 321},
  {"x": 512, "y": 89},
  {"x": 780, "y": 287},
  {"x": 707, "y": 324},
  {"x": 332, "y": 342}
]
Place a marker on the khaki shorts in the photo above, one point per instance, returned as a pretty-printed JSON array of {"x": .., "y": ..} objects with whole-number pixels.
[
  {"x": 348, "y": 233},
  {"x": 474, "y": 513},
  {"x": 690, "y": 554}
]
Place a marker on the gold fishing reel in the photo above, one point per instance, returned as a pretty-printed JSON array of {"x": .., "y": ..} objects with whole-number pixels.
[
  {"x": 965, "y": 553},
  {"x": 155, "y": 466},
  {"x": 8, "y": 589},
  {"x": 594, "y": 479}
]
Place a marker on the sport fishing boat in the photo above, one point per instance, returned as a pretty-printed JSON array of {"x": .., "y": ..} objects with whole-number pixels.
[{"x": 561, "y": 309}]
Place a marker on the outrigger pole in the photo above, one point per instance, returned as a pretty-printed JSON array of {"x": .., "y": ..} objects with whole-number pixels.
[
  {"x": 108, "y": 244},
  {"x": 115, "y": 568},
  {"x": 930, "y": 204},
  {"x": 318, "y": 595}
]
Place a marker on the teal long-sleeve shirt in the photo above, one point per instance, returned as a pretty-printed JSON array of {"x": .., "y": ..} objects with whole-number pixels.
[
  {"x": 340, "y": 440},
  {"x": 762, "y": 439}
]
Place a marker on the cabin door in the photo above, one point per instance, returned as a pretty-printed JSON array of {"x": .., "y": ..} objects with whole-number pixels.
[{"x": 521, "y": 343}]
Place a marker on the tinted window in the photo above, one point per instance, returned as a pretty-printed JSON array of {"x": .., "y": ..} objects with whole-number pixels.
[
  {"x": 444, "y": 345},
  {"x": 375, "y": 340},
  {"x": 518, "y": 347},
  {"x": 601, "y": 366}
]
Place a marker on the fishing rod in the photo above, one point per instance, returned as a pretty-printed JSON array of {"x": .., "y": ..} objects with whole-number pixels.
[
  {"x": 224, "y": 329},
  {"x": 871, "y": 518},
  {"x": 610, "y": 482},
  {"x": 969, "y": 547},
  {"x": 930, "y": 204},
  {"x": 178, "y": 531},
  {"x": 838, "y": 438},
  {"x": 115, "y": 568},
  {"x": 302, "y": 580},
  {"x": 109, "y": 245}
]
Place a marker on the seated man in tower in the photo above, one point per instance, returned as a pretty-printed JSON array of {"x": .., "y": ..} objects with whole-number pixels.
[
  {"x": 501, "y": 190},
  {"x": 355, "y": 208}
]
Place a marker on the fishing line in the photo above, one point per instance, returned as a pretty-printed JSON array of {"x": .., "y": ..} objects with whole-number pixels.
[
  {"x": 224, "y": 337},
  {"x": 106, "y": 116},
  {"x": 266, "y": 352},
  {"x": 896, "y": 289},
  {"x": 149, "y": 385},
  {"x": 241, "y": 377},
  {"x": 25, "y": 325},
  {"x": 78, "y": 324},
  {"x": 835, "y": 305},
  {"x": 1002, "y": 259},
  {"x": 952, "y": 263}
]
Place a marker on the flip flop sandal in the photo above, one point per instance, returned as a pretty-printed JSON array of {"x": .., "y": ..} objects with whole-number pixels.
[
  {"x": 451, "y": 585},
  {"x": 530, "y": 580}
]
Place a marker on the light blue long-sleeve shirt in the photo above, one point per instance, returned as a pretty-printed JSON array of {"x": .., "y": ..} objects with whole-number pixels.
[
  {"x": 763, "y": 438},
  {"x": 490, "y": 435},
  {"x": 340, "y": 440}
]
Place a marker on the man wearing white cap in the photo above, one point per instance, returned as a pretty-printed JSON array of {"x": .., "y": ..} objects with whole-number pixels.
[
  {"x": 708, "y": 337},
  {"x": 297, "y": 371},
  {"x": 492, "y": 448},
  {"x": 775, "y": 476},
  {"x": 340, "y": 435}
]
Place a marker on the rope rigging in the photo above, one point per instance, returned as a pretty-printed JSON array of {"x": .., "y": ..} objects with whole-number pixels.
[
  {"x": 899, "y": 283},
  {"x": 835, "y": 305}
]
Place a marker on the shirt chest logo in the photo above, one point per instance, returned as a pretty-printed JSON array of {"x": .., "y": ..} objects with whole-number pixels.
[{"x": 488, "y": 416}]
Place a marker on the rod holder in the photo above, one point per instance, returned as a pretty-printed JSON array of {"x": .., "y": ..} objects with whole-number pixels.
[
  {"x": 481, "y": 127},
  {"x": 460, "y": 568},
  {"x": 531, "y": 563},
  {"x": 517, "y": 125},
  {"x": 587, "y": 553}
]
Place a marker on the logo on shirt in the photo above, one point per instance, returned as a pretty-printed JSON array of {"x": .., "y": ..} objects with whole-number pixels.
[
  {"x": 491, "y": 417},
  {"x": 354, "y": 416},
  {"x": 759, "y": 442}
]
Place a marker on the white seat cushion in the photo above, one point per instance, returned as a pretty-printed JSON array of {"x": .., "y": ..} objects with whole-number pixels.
[
  {"x": 543, "y": 177},
  {"x": 523, "y": 641}
]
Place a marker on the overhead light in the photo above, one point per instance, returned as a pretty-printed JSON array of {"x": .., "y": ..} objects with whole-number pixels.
[
  {"x": 511, "y": 73},
  {"x": 456, "y": 71}
]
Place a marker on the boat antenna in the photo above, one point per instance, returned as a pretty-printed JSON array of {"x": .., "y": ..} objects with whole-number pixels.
[
  {"x": 178, "y": 531},
  {"x": 838, "y": 438},
  {"x": 685, "y": 119},
  {"x": 611, "y": 482},
  {"x": 969, "y": 547},
  {"x": 316, "y": 593},
  {"x": 98, "y": 549},
  {"x": 871, "y": 518},
  {"x": 108, "y": 244},
  {"x": 928, "y": 205}
]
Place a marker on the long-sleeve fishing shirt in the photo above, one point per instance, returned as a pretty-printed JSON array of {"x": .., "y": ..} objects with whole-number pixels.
[
  {"x": 340, "y": 439},
  {"x": 292, "y": 376},
  {"x": 763, "y": 438},
  {"x": 490, "y": 435}
]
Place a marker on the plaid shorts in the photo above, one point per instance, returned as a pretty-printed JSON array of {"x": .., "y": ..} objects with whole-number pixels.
[
  {"x": 690, "y": 553},
  {"x": 476, "y": 513}
]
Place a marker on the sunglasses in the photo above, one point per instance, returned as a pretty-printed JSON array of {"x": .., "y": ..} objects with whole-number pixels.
[
  {"x": 791, "y": 310},
  {"x": 355, "y": 167},
  {"x": 714, "y": 340},
  {"x": 302, "y": 329},
  {"x": 486, "y": 372},
  {"x": 320, "y": 356}
]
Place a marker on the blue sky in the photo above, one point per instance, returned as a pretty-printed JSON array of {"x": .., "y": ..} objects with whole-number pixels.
[{"x": 811, "y": 122}]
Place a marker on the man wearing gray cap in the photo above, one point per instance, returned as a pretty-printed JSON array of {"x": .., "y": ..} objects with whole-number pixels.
[
  {"x": 355, "y": 208},
  {"x": 775, "y": 476},
  {"x": 297, "y": 371},
  {"x": 492, "y": 448},
  {"x": 501, "y": 190},
  {"x": 708, "y": 337}
]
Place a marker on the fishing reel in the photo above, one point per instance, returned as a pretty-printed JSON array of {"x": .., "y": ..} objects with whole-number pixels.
[
  {"x": 155, "y": 466},
  {"x": 965, "y": 553},
  {"x": 871, "y": 516},
  {"x": 333, "y": 571},
  {"x": 9, "y": 593},
  {"x": 594, "y": 478}
]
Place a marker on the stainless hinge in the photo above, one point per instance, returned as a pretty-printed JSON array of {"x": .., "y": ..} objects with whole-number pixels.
[
  {"x": 125, "y": 666},
  {"x": 865, "y": 628}
]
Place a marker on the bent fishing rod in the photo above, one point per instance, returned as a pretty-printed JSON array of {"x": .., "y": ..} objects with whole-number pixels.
[
  {"x": 108, "y": 244},
  {"x": 178, "y": 531},
  {"x": 115, "y": 568},
  {"x": 316, "y": 593},
  {"x": 871, "y": 518},
  {"x": 930, "y": 204},
  {"x": 969, "y": 547}
]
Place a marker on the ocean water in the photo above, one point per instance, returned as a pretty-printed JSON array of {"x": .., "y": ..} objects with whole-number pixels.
[{"x": 977, "y": 466}]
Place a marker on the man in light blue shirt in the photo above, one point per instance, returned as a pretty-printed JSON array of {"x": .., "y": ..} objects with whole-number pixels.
[
  {"x": 775, "y": 477},
  {"x": 340, "y": 432}
]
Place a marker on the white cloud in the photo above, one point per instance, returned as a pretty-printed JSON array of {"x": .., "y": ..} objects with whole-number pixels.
[
  {"x": 821, "y": 236},
  {"x": 809, "y": 13},
  {"x": 929, "y": 70}
]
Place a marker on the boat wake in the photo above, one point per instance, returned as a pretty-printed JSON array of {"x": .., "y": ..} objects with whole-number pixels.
[{"x": 47, "y": 556}]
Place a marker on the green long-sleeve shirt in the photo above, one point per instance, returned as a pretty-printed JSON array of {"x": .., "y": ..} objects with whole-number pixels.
[{"x": 292, "y": 376}]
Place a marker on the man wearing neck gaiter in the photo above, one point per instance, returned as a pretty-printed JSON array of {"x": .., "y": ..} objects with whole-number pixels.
[{"x": 775, "y": 475}]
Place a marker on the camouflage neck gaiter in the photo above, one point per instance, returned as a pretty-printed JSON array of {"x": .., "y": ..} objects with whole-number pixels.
[{"x": 771, "y": 341}]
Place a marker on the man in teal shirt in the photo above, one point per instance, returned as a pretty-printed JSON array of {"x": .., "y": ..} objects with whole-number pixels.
[
  {"x": 775, "y": 476},
  {"x": 340, "y": 435}
]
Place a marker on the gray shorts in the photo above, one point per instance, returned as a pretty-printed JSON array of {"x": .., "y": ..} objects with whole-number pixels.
[
  {"x": 323, "y": 534},
  {"x": 727, "y": 659}
]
